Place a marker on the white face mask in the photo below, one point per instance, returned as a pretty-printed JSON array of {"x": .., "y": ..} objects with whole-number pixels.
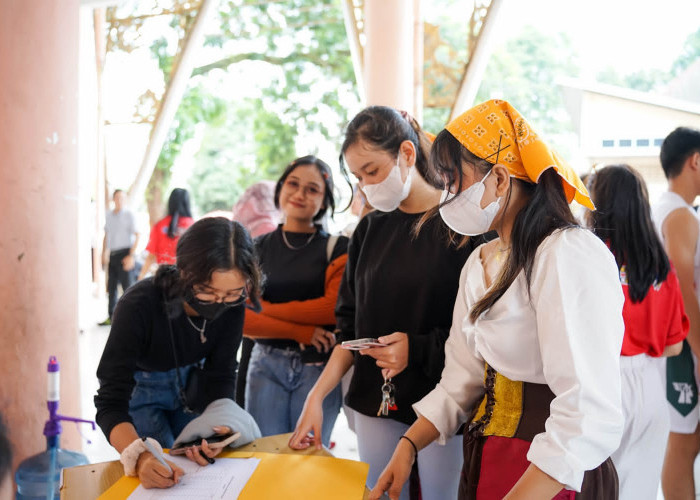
[
  {"x": 388, "y": 194},
  {"x": 464, "y": 214}
]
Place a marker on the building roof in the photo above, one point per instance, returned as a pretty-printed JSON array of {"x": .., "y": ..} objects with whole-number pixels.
[{"x": 630, "y": 95}]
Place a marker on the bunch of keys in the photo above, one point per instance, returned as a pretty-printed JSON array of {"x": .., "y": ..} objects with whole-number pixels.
[{"x": 388, "y": 402}]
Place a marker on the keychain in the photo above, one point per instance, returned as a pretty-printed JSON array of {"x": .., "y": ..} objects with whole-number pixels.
[{"x": 388, "y": 402}]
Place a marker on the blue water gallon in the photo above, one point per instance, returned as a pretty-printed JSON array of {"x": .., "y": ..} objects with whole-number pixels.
[{"x": 39, "y": 476}]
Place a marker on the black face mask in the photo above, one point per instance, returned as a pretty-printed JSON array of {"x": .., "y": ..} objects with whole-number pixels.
[{"x": 207, "y": 311}]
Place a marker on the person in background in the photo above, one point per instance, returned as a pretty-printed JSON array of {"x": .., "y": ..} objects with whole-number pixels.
[
  {"x": 359, "y": 207},
  {"x": 655, "y": 323},
  {"x": 532, "y": 363},
  {"x": 256, "y": 209},
  {"x": 293, "y": 332},
  {"x": 7, "y": 491},
  {"x": 118, "y": 249},
  {"x": 399, "y": 287},
  {"x": 187, "y": 319},
  {"x": 257, "y": 212},
  {"x": 678, "y": 225},
  {"x": 166, "y": 232}
]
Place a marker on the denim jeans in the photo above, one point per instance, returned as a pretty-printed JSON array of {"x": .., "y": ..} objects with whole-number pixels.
[
  {"x": 276, "y": 389},
  {"x": 155, "y": 406}
]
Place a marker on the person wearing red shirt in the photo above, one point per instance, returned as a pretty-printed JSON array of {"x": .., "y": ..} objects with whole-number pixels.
[
  {"x": 655, "y": 323},
  {"x": 166, "y": 232}
]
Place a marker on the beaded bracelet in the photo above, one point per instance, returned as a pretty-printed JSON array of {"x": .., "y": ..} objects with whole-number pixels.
[{"x": 415, "y": 448}]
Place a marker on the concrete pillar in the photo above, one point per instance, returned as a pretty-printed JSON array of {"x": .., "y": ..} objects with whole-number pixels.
[
  {"x": 389, "y": 70},
  {"x": 38, "y": 203}
]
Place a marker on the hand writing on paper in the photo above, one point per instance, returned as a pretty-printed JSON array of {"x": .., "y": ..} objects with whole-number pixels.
[
  {"x": 209, "y": 453},
  {"x": 154, "y": 474},
  {"x": 393, "y": 359}
]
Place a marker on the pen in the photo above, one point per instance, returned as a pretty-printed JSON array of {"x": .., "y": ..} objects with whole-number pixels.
[{"x": 156, "y": 454}]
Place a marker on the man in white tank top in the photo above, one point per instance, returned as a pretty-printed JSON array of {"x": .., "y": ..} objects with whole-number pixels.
[{"x": 678, "y": 225}]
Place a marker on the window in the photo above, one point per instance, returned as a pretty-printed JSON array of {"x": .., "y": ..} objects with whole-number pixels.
[
  {"x": 625, "y": 143},
  {"x": 658, "y": 142},
  {"x": 643, "y": 143},
  {"x": 608, "y": 143}
]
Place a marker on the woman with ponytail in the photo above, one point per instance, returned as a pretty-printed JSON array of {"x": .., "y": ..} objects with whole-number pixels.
[
  {"x": 165, "y": 233},
  {"x": 532, "y": 362},
  {"x": 399, "y": 286},
  {"x": 163, "y": 329}
]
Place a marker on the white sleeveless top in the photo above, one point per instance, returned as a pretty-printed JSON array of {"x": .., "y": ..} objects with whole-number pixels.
[{"x": 668, "y": 203}]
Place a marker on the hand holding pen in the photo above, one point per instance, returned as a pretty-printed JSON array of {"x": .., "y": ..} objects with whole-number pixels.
[{"x": 156, "y": 472}]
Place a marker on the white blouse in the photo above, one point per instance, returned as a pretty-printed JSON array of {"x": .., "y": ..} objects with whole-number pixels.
[{"x": 567, "y": 334}]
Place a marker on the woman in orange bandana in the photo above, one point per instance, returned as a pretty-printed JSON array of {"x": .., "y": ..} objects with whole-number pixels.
[{"x": 532, "y": 361}]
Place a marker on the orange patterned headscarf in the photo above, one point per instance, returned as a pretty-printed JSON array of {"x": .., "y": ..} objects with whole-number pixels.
[{"x": 496, "y": 130}]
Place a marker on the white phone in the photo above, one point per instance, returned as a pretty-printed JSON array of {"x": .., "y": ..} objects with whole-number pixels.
[{"x": 359, "y": 344}]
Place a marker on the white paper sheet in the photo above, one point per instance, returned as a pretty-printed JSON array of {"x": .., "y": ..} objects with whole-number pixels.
[{"x": 222, "y": 480}]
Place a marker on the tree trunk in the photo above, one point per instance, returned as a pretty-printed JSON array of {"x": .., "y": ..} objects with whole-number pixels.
[{"x": 154, "y": 197}]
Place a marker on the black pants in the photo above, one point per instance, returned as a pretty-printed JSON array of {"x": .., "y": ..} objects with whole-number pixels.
[{"x": 116, "y": 275}]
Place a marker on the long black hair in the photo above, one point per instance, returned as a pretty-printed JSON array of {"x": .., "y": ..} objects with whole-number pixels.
[
  {"x": 546, "y": 211},
  {"x": 211, "y": 244},
  {"x": 623, "y": 221},
  {"x": 178, "y": 206},
  {"x": 384, "y": 129},
  {"x": 326, "y": 175}
]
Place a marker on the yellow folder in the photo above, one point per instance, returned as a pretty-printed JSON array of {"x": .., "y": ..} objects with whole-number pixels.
[{"x": 285, "y": 477}]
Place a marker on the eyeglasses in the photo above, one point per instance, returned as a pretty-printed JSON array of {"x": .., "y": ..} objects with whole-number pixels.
[
  {"x": 234, "y": 298},
  {"x": 309, "y": 190}
]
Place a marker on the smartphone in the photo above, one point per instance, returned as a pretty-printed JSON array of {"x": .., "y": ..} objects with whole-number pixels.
[
  {"x": 359, "y": 344},
  {"x": 216, "y": 441}
]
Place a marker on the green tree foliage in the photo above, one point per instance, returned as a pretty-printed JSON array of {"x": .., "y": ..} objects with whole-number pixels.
[
  {"x": 690, "y": 53},
  {"x": 654, "y": 79},
  {"x": 227, "y": 163},
  {"x": 308, "y": 96},
  {"x": 524, "y": 72}
]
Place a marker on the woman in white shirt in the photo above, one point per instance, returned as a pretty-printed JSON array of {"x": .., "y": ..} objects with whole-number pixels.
[{"x": 532, "y": 361}]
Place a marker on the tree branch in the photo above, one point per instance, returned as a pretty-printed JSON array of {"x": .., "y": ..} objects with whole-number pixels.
[{"x": 256, "y": 56}]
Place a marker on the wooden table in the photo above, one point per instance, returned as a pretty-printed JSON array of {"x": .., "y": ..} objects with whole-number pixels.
[{"x": 90, "y": 481}]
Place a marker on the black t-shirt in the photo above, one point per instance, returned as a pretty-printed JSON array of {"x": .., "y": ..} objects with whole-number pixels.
[
  {"x": 397, "y": 282},
  {"x": 295, "y": 274},
  {"x": 140, "y": 341}
]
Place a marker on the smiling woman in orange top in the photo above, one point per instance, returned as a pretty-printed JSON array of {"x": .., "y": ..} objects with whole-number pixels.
[{"x": 303, "y": 267}]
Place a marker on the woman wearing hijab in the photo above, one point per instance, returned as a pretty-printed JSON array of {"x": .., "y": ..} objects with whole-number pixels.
[{"x": 532, "y": 363}]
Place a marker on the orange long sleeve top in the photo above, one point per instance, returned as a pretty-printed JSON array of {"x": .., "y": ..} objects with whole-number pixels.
[{"x": 297, "y": 319}]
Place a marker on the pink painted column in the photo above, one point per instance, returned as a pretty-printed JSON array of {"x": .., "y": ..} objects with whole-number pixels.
[
  {"x": 388, "y": 53},
  {"x": 38, "y": 203}
]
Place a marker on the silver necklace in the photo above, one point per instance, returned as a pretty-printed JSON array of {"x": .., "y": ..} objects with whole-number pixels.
[
  {"x": 202, "y": 338},
  {"x": 290, "y": 246}
]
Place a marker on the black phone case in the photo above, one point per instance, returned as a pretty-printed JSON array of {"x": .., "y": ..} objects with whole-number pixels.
[{"x": 216, "y": 438}]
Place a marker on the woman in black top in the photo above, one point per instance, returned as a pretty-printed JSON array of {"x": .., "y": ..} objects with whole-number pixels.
[
  {"x": 399, "y": 286},
  {"x": 187, "y": 313},
  {"x": 303, "y": 268}
]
